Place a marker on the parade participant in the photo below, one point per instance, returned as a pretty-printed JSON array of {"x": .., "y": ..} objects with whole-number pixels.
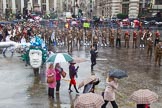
[
  {"x": 126, "y": 38},
  {"x": 73, "y": 74},
  {"x": 104, "y": 38},
  {"x": 134, "y": 39},
  {"x": 112, "y": 38},
  {"x": 109, "y": 93},
  {"x": 78, "y": 37},
  {"x": 158, "y": 53},
  {"x": 50, "y": 73},
  {"x": 149, "y": 46},
  {"x": 69, "y": 41},
  {"x": 141, "y": 36},
  {"x": 157, "y": 37},
  {"x": 95, "y": 41},
  {"x": 118, "y": 38},
  {"x": 93, "y": 57},
  {"x": 58, "y": 70}
]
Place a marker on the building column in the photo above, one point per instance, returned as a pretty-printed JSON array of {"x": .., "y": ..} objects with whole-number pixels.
[
  {"x": 47, "y": 6},
  {"x": 22, "y": 5},
  {"x": 30, "y": 5},
  {"x": 55, "y": 5},
  {"x": 40, "y": 6},
  {"x": 4, "y": 6},
  {"x": 13, "y": 6}
]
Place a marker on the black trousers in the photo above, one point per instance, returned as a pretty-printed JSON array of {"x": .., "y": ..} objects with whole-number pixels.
[
  {"x": 51, "y": 92},
  {"x": 156, "y": 42},
  {"x": 93, "y": 62},
  {"x": 57, "y": 85},
  {"x": 118, "y": 42},
  {"x": 113, "y": 103}
]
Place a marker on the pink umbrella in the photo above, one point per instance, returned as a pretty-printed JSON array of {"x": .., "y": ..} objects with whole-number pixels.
[
  {"x": 144, "y": 96},
  {"x": 89, "y": 100}
]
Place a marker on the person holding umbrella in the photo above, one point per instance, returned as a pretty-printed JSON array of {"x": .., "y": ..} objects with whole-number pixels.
[
  {"x": 73, "y": 74},
  {"x": 109, "y": 93},
  {"x": 143, "y": 98}
]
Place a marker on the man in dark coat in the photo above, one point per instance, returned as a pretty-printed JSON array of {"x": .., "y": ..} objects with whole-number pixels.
[{"x": 93, "y": 57}]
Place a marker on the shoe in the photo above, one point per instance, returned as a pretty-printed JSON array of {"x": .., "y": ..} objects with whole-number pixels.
[{"x": 70, "y": 91}]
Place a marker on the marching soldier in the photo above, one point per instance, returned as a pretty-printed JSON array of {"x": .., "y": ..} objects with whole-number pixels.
[
  {"x": 104, "y": 42},
  {"x": 126, "y": 38},
  {"x": 149, "y": 46},
  {"x": 78, "y": 38},
  {"x": 69, "y": 41},
  {"x": 134, "y": 39},
  {"x": 118, "y": 38},
  {"x": 158, "y": 53},
  {"x": 95, "y": 41},
  {"x": 112, "y": 38},
  {"x": 157, "y": 37},
  {"x": 141, "y": 39}
]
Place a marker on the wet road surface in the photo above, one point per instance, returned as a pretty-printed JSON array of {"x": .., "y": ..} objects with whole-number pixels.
[{"x": 20, "y": 88}]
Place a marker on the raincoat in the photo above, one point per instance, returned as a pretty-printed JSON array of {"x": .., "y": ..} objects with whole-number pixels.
[
  {"x": 51, "y": 72},
  {"x": 109, "y": 94}
]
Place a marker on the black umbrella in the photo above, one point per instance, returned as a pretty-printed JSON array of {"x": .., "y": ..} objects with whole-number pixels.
[{"x": 117, "y": 73}]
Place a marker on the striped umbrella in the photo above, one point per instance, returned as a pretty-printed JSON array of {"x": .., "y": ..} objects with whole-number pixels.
[
  {"x": 59, "y": 58},
  {"x": 144, "y": 96},
  {"x": 89, "y": 100}
]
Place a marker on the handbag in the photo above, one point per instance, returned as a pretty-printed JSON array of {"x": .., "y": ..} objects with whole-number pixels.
[
  {"x": 63, "y": 74},
  {"x": 50, "y": 79}
]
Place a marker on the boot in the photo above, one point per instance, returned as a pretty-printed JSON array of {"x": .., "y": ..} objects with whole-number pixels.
[
  {"x": 70, "y": 88},
  {"x": 76, "y": 89}
]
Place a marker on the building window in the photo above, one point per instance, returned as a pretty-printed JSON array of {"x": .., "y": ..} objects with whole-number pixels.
[
  {"x": 43, "y": 1},
  {"x": 158, "y": 2},
  {"x": 125, "y": 8}
]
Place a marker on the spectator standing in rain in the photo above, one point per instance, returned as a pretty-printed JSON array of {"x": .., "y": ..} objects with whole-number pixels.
[
  {"x": 58, "y": 71},
  {"x": 51, "y": 73}
]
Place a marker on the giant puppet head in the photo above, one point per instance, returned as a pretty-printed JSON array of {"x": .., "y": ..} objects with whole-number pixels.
[{"x": 35, "y": 57}]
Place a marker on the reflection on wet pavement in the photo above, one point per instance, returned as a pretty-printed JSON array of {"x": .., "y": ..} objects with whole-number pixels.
[{"x": 31, "y": 92}]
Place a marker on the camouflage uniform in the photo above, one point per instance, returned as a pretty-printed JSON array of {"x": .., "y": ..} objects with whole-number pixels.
[
  {"x": 134, "y": 39},
  {"x": 149, "y": 46},
  {"x": 126, "y": 38},
  {"x": 158, "y": 53},
  {"x": 69, "y": 41},
  {"x": 112, "y": 39}
]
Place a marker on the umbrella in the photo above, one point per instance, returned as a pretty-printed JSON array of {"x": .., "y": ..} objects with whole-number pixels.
[
  {"x": 144, "y": 96},
  {"x": 89, "y": 100},
  {"x": 59, "y": 58},
  {"x": 135, "y": 21},
  {"x": 87, "y": 80},
  {"x": 74, "y": 23},
  {"x": 117, "y": 73}
]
